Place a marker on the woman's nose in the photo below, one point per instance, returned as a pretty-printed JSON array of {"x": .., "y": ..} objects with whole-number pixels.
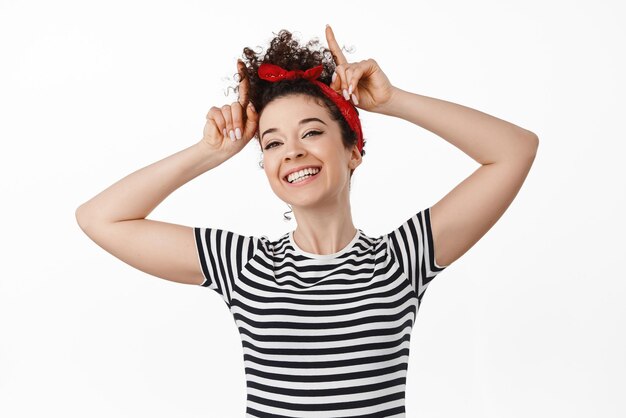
[{"x": 294, "y": 149}]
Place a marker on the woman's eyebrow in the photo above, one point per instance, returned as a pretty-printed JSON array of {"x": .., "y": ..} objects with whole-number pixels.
[{"x": 302, "y": 122}]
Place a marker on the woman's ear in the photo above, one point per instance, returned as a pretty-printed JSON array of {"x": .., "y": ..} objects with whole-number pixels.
[{"x": 355, "y": 157}]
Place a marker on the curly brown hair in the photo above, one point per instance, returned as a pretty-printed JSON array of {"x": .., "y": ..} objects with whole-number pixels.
[{"x": 286, "y": 52}]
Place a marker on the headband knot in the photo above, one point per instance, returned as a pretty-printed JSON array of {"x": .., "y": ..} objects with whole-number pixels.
[{"x": 274, "y": 73}]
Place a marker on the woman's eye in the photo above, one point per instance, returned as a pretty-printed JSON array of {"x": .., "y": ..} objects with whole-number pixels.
[
  {"x": 311, "y": 132},
  {"x": 268, "y": 146}
]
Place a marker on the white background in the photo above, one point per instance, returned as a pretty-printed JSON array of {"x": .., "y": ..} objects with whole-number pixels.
[{"x": 529, "y": 322}]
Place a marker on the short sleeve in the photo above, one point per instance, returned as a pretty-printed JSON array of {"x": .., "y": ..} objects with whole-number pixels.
[
  {"x": 222, "y": 255},
  {"x": 412, "y": 246}
]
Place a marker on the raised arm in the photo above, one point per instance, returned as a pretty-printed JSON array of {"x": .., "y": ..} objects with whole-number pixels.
[
  {"x": 505, "y": 151},
  {"x": 115, "y": 218}
]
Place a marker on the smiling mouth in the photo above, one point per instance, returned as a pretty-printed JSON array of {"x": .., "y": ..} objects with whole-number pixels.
[{"x": 301, "y": 179}]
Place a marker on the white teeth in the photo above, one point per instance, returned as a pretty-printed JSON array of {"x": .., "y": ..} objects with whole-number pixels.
[{"x": 307, "y": 171}]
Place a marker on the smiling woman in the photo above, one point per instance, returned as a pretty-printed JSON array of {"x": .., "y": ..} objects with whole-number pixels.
[
  {"x": 325, "y": 312},
  {"x": 302, "y": 134}
]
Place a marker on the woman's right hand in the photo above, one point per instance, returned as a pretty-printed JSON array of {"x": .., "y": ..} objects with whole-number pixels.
[{"x": 239, "y": 118}]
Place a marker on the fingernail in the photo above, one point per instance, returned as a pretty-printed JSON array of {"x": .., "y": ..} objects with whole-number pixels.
[
  {"x": 346, "y": 95},
  {"x": 350, "y": 89},
  {"x": 334, "y": 76},
  {"x": 232, "y": 135},
  {"x": 238, "y": 133},
  {"x": 354, "y": 99}
]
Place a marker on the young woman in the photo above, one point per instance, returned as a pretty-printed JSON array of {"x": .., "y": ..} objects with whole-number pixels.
[{"x": 325, "y": 312}]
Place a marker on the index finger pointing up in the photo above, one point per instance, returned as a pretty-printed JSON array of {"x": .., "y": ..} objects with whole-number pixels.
[{"x": 334, "y": 47}]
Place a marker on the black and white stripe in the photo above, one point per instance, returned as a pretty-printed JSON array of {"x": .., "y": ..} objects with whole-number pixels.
[{"x": 323, "y": 335}]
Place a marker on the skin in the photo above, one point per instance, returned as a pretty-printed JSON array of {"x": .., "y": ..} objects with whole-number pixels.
[{"x": 321, "y": 207}]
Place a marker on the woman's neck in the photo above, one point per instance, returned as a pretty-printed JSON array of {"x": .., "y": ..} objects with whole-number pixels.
[{"x": 324, "y": 230}]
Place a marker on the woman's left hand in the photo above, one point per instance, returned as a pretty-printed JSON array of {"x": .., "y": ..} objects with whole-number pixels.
[{"x": 363, "y": 82}]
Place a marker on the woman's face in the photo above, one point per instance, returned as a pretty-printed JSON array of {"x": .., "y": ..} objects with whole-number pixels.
[{"x": 297, "y": 132}]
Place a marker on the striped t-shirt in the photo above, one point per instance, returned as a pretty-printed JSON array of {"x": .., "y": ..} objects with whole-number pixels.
[{"x": 323, "y": 335}]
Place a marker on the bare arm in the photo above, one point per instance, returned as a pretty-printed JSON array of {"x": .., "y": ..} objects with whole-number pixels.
[
  {"x": 505, "y": 151},
  {"x": 137, "y": 194},
  {"x": 115, "y": 218},
  {"x": 483, "y": 137}
]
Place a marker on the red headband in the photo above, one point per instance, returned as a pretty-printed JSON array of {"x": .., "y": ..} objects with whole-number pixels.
[{"x": 274, "y": 73}]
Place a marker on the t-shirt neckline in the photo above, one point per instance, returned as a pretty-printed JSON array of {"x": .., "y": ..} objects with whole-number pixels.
[{"x": 300, "y": 251}]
